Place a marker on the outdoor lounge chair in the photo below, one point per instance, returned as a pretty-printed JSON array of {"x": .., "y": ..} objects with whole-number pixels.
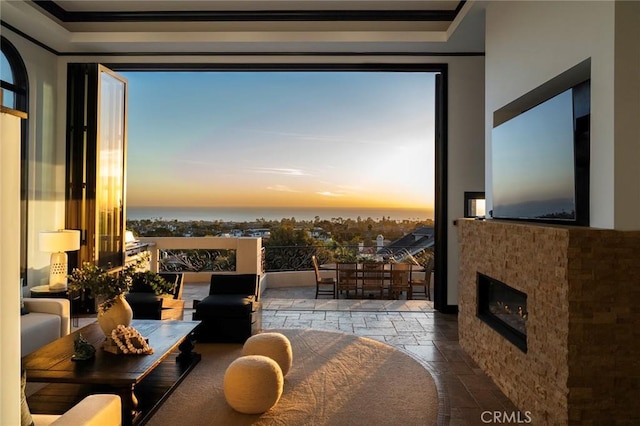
[{"x": 232, "y": 311}]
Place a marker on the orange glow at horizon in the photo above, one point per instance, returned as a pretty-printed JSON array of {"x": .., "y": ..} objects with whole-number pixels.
[{"x": 282, "y": 139}]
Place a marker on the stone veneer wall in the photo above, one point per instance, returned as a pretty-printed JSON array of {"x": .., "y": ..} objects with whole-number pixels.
[{"x": 582, "y": 364}]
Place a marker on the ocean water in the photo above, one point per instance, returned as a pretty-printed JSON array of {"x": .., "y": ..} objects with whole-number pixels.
[{"x": 251, "y": 214}]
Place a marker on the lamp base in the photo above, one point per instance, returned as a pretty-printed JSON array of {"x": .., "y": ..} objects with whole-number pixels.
[{"x": 58, "y": 272}]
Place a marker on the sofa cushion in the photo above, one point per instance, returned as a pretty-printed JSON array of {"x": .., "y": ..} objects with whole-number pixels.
[
  {"x": 38, "y": 329},
  {"x": 93, "y": 410},
  {"x": 235, "y": 305}
]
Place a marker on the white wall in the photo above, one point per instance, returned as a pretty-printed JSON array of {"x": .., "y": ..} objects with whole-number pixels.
[
  {"x": 46, "y": 153},
  {"x": 9, "y": 267},
  {"x": 627, "y": 115},
  {"x": 466, "y": 150},
  {"x": 528, "y": 43}
]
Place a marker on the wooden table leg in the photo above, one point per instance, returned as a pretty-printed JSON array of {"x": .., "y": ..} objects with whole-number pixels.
[
  {"x": 129, "y": 405},
  {"x": 186, "y": 348}
]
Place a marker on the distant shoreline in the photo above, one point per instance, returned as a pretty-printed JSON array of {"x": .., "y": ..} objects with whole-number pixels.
[{"x": 252, "y": 214}]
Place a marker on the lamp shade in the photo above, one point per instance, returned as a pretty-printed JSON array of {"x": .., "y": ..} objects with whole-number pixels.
[
  {"x": 59, "y": 241},
  {"x": 129, "y": 237}
]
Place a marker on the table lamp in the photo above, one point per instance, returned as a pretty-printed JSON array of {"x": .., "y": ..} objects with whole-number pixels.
[{"x": 58, "y": 243}]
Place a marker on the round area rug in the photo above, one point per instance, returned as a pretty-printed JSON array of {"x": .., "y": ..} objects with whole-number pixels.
[{"x": 336, "y": 379}]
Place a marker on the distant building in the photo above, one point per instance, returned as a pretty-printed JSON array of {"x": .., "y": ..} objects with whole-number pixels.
[
  {"x": 412, "y": 244},
  {"x": 236, "y": 233},
  {"x": 319, "y": 234},
  {"x": 258, "y": 232}
]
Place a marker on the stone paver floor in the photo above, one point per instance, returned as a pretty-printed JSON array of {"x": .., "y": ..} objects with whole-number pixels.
[{"x": 412, "y": 326}]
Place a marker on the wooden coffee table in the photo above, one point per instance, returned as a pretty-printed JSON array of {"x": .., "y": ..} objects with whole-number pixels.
[{"x": 152, "y": 377}]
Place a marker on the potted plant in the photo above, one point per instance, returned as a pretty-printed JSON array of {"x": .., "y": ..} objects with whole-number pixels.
[
  {"x": 108, "y": 288},
  {"x": 150, "y": 282}
]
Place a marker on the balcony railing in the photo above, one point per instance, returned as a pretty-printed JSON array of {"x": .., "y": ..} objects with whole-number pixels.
[
  {"x": 205, "y": 255},
  {"x": 196, "y": 260},
  {"x": 200, "y": 256},
  {"x": 298, "y": 258}
]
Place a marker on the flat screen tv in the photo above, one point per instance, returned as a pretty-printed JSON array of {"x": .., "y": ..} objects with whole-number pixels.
[{"x": 540, "y": 161}]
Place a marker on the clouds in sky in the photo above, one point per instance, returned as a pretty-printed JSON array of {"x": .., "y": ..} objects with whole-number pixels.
[{"x": 282, "y": 138}]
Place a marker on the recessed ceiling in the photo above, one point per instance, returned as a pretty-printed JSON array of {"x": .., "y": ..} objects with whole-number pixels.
[{"x": 250, "y": 26}]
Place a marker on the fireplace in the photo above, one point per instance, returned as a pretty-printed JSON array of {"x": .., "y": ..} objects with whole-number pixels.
[{"x": 504, "y": 309}]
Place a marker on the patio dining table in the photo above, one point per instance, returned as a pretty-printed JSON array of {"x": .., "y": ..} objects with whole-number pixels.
[{"x": 362, "y": 273}]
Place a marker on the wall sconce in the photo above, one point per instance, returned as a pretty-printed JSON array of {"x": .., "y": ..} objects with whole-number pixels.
[
  {"x": 474, "y": 204},
  {"x": 58, "y": 243}
]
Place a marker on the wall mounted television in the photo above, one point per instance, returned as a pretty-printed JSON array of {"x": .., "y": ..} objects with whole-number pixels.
[{"x": 540, "y": 161}]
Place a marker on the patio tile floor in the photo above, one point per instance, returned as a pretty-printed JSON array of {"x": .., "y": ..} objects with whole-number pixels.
[{"x": 412, "y": 326}]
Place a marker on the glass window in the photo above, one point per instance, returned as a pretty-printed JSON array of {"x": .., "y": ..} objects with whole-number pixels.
[
  {"x": 110, "y": 176},
  {"x": 6, "y": 74}
]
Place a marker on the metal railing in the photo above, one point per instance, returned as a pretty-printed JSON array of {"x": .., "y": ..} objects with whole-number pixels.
[
  {"x": 298, "y": 258},
  {"x": 246, "y": 255},
  {"x": 196, "y": 260},
  {"x": 293, "y": 258}
]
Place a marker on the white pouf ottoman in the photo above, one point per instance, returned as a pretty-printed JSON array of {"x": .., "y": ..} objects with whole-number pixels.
[
  {"x": 253, "y": 384},
  {"x": 274, "y": 345}
]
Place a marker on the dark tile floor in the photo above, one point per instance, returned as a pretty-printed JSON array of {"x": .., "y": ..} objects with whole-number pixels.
[{"x": 412, "y": 326}]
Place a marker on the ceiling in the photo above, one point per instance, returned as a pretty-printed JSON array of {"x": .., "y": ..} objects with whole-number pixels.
[{"x": 166, "y": 27}]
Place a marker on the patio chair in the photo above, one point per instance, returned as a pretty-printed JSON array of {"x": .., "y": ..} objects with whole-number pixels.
[
  {"x": 347, "y": 277},
  {"x": 400, "y": 275},
  {"x": 324, "y": 286},
  {"x": 145, "y": 304},
  {"x": 372, "y": 279},
  {"x": 423, "y": 286},
  {"x": 232, "y": 311}
]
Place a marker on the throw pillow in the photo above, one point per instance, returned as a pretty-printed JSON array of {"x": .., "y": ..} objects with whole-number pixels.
[
  {"x": 25, "y": 414},
  {"x": 23, "y": 310}
]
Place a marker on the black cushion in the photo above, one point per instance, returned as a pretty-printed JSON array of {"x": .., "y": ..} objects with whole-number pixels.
[
  {"x": 234, "y": 284},
  {"x": 145, "y": 305},
  {"x": 218, "y": 305},
  {"x": 143, "y": 297}
]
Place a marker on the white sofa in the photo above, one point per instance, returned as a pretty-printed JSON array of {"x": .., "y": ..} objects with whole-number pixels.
[
  {"x": 94, "y": 410},
  {"x": 48, "y": 319}
]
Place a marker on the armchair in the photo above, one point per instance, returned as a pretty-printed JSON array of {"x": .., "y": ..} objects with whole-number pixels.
[
  {"x": 93, "y": 410},
  {"x": 145, "y": 304},
  {"x": 48, "y": 319},
  {"x": 232, "y": 312}
]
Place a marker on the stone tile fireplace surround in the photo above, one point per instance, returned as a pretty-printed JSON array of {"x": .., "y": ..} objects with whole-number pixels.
[{"x": 582, "y": 364}]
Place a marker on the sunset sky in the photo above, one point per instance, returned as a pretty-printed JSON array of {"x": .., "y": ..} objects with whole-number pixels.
[{"x": 272, "y": 139}]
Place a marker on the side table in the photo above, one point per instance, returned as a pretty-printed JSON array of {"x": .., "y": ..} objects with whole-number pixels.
[{"x": 43, "y": 291}]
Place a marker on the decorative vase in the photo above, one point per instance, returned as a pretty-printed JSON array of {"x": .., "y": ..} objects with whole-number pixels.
[{"x": 119, "y": 313}]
